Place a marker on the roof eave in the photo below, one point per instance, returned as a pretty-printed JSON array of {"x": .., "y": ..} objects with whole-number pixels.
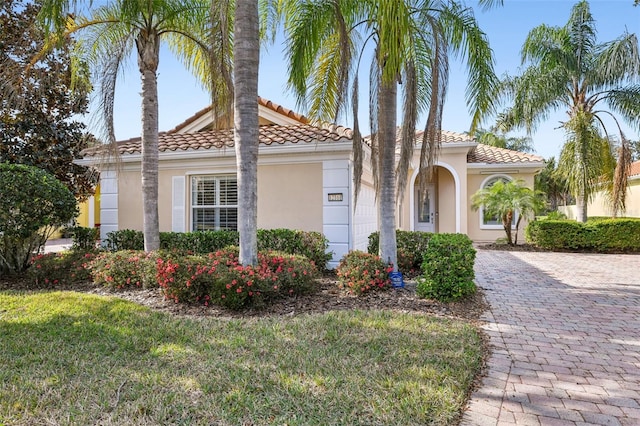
[{"x": 505, "y": 167}]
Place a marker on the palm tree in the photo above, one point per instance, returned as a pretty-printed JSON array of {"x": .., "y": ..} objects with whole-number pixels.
[
  {"x": 508, "y": 200},
  {"x": 106, "y": 38},
  {"x": 246, "y": 51},
  {"x": 499, "y": 139},
  {"x": 550, "y": 183},
  {"x": 409, "y": 42},
  {"x": 567, "y": 69}
]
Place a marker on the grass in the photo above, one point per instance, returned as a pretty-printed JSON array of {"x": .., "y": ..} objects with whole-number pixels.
[{"x": 74, "y": 358}]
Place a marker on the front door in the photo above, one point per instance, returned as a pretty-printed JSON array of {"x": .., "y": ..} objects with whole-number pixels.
[{"x": 424, "y": 210}]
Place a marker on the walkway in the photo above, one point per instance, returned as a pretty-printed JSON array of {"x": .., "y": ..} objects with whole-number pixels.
[{"x": 565, "y": 337}]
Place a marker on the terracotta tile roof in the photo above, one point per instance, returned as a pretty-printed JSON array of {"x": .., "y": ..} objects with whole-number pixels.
[
  {"x": 446, "y": 137},
  {"x": 269, "y": 135},
  {"x": 634, "y": 170},
  {"x": 261, "y": 101},
  {"x": 492, "y": 155}
]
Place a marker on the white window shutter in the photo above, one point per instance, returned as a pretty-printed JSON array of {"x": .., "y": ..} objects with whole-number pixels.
[{"x": 178, "y": 203}]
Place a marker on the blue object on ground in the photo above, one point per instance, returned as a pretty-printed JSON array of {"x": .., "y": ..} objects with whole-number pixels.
[{"x": 396, "y": 279}]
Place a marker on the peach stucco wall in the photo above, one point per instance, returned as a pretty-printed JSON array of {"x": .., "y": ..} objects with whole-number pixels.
[
  {"x": 474, "y": 229},
  {"x": 599, "y": 205},
  {"x": 289, "y": 196}
]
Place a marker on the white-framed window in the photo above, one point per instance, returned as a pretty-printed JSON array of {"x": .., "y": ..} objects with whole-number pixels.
[
  {"x": 214, "y": 203},
  {"x": 494, "y": 222}
]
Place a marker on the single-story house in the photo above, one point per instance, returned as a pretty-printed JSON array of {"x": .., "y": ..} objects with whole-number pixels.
[
  {"x": 305, "y": 181},
  {"x": 599, "y": 205}
]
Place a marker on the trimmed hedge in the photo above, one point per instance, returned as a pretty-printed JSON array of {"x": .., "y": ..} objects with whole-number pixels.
[
  {"x": 447, "y": 268},
  {"x": 412, "y": 246},
  {"x": 312, "y": 245},
  {"x": 600, "y": 235}
]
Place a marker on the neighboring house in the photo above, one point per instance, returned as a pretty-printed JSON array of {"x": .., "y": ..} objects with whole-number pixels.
[
  {"x": 600, "y": 206},
  {"x": 305, "y": 181}
]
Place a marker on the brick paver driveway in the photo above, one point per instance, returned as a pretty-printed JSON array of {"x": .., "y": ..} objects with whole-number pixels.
[{"x": 565, "y": 335}]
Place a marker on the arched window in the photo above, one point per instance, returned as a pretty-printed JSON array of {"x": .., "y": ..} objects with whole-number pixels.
[{"x": 488, "y": 221}]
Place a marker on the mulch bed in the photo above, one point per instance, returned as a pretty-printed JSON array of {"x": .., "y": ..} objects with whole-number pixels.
[{"x": 328, "y": 297}]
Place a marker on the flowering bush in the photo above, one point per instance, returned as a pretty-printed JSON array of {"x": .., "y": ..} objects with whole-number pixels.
[
  {"x": 360, "y": 273},
  {"x": 127, "y": 268},
  {"x": 220, "y": 279},
  {"x": 54, "y": 269},
  {"x": 185, "y": 278}
]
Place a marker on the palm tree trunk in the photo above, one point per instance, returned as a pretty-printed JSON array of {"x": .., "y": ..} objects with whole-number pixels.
[
  {"x": 246, "y": 50},
  {"x": 387, "y": 109},
  {"x": 148, "y": 56},
  {"x": 581, "y": 207}
]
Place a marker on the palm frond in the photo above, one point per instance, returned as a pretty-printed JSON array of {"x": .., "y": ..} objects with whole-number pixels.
[
  {"x": 625, "y": 101},
  {"x": 621, "y": 177},
  {"x": 617, "y": 62},
  {"x": 585, "y": 159},
  {"x": 467, "y": 40},
  {"x": 582, "y": 32}
]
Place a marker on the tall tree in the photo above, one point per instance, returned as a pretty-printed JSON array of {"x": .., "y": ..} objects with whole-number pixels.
[
  {"x": 109, "y": 34},
  {"x": 555, "y": 188},
  {"x": 566, "y": 68},
  {"x": 37, "y": 108},
  {"x": 499, "y": 139},
  {"x": 246, "y": 56},
  {"x": 409, "y": 42}
]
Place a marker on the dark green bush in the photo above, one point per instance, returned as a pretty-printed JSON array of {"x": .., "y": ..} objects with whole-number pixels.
[
  {"x": 84, "y": 238},
  {"x": 124, "y": 239},
  {"x": 33, "y": 204},
  {"x": 360, "y": 273},
  {"x": 53, "y": 270},
  {"x": 201, "y": 242},
  {"x": 597, "y": 235},
  {"x": 447, "y": 268},
  {"x": 411, "y": 248},
  {"x": 312, "y": 245}
]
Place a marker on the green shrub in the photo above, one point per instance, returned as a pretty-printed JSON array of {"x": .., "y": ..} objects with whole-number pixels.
[
  {"x": 312, "y": 245},
  {"x": 57, "y": 269},
  {"x": 597, "y": 235},
  {"x": 411, "y": 248},
  {"x": 124, "y": 269},
  {"x": 219, "y": 278},
  {"x": 616, "y": 235},
  {"x": 33, "y": 204},
  {"x": 200, "y": 242},
  {"x": 84, "y": 238},
  {"x": 556, "y": 234},
  {"x": 447, "y": 268},
  {"x": 124, "y": 239},
  {"x": 556, "y": 215},
  {"x": 359, "y": 273}
]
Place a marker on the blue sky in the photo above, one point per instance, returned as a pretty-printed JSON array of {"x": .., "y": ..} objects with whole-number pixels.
[{"x": 180, "y": 95}]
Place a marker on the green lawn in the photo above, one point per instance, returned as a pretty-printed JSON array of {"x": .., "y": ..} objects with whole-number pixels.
[{"x": 74, "y": 358}]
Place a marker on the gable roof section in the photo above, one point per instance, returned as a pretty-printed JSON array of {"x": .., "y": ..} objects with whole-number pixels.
[
  {"x": 216, "y": 139},
  {"x": 634, "y": 169},
  {"x": 486, "y": 154},
  {"x": 203, "y": 118},
  {"x": 446, "y": 137}
]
